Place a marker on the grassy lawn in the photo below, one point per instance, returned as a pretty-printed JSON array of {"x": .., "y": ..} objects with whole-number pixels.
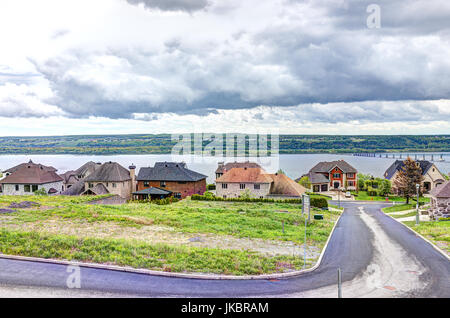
[
  {"x": 363, "y": 196},
  {"x": 437, "y": 232},
  {"x": 156, "y": 236},
  {"x": 399, "y": 207}
]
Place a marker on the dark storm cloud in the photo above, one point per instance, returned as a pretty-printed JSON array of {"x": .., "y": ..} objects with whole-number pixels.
[
  {"x": 336, "y": 59},
  {"x": 172, "y": 5}
]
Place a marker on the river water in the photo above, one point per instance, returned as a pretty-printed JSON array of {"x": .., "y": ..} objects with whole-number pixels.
[{"x": 293, "y": 165}]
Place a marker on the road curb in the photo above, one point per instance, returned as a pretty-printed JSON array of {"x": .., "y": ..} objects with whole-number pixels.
[
  {"x": 421, "y": 236},
  {"x": 177, "y": 275}
]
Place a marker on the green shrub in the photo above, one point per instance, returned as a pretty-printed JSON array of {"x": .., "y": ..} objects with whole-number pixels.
[{"x": 319, "y": 202}]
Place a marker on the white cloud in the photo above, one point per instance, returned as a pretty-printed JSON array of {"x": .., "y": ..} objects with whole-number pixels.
[{"x": 178, "y": 59}]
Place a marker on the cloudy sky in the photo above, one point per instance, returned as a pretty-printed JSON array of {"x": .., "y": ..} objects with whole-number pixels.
[{"x": 152, "y": 66}]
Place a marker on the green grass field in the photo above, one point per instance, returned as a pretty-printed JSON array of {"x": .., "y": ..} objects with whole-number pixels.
[
  {"x": 363, "y": 196},
  {"x": 437, "y": 232},
  {"x": 157, "y": 237}
]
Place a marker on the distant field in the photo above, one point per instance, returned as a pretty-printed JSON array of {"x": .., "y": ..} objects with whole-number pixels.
[
  {"x": 188, "y": 236},
  {"x": 162, "y": 144}
]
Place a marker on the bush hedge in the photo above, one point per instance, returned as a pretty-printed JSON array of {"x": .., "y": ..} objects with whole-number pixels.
[{"x": 315, "y": 202}]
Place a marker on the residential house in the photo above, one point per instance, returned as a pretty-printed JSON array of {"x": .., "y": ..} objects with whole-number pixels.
[
  {"x": 9, "y": 171},
  {"x": 440, "y": 201},
  {"x": 74, "y": 176},
  {"x": 110, "y": 178},
  {"x": 432, "y": 177},
  {"x": 27, "y": 178},
  {"x": 172, "y": 176},
  {"x": 258, "y": 183},
  {"x": 332, "y": 175},
  {"x": 224, "y": 167}
]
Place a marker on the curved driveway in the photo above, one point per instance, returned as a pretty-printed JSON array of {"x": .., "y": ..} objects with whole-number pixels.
[{"x": 353, "y": 248}]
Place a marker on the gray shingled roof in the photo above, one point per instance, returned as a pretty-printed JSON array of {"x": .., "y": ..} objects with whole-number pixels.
[
  {"x": 398, "y": 164},
  {"x": 99, "y": 189},
  {"x": 89, "y": 166},
  {"x": 15, "y": 168},
  {"x": 76, "y": 189},
  {"x": 169, "y": 171},
  {"x": 109, "y": 172},
  {"x": 326, "y": 166},
  {"x": 153, "y": 190}
]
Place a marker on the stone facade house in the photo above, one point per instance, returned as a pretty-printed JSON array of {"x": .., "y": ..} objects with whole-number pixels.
[
  {"x": 432, "y": 177},
  {"x": 440, "y": 202},
  {"x": 171, "y": 176},
  {"x": 74, "y": 177},
  {"x": 110, "y": 178},
  {"x": 27, "y": 178},
  {"x": 332, "y": 175},
  {"x": 258, "y": 183}
]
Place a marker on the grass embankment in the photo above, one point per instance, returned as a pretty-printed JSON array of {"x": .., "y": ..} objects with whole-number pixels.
[
  {"x": 399, "y": 207},
  {"x": 437, "y": 232},
  {"x": 65, "y": 228},
  {"x": 363, "y": 196}
]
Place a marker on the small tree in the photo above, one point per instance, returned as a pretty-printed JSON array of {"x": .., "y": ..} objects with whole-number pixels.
[
  {"x": 408, "y": 176},
  {"x": 385, "y": 187},
  {"x": 304, "y": 181},
  {"x": 280, "y": 171},
  {"x": 362, "y": 181}
]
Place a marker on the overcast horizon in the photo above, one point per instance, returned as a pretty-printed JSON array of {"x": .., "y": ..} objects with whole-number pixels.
[{"x": 310, "y": 67}]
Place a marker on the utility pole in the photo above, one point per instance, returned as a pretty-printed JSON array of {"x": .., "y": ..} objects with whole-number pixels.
[{"x": 417, "y": 205}]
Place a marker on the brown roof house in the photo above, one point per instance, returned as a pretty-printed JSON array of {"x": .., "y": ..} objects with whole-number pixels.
[
  {"x": 258, "y": 183},
  {"x": 224, "y": 167},
  {"x": 169, "y": 178},
  {"x": 27, "y": 178},
  {"x": 329, "y": 175},
  {"x": 440, "y": 201},
  {"x": 110, "y": 178}
]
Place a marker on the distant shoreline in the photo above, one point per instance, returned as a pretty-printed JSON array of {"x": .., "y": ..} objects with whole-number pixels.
[{"x": 162, "y": 144}]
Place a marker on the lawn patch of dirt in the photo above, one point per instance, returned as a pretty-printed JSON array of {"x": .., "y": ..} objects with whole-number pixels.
[{"x": 154, "y": 234}]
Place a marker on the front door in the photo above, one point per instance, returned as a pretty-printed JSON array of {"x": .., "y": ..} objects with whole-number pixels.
[{"x": 336, "y": 185}]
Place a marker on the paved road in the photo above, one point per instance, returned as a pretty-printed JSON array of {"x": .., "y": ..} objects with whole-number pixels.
[{"x": 378, "y": 257}]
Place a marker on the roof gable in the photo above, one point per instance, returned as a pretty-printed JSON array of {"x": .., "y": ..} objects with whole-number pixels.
[
  {"x": 245, "y": 175},
  {"x": 442, "y": 191},
  {"x": 327, "y": 166},
  {"x": 230, "y": 165},
  {"x": 169, "y": 171}
]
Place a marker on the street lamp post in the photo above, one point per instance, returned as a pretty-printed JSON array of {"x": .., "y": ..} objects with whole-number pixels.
[{"x": 417, "y": 205}]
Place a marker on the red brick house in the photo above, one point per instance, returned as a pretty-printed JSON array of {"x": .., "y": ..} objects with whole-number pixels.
[
  {"x": 172, "y": 176},
  {"x": 326, "y": 176}
]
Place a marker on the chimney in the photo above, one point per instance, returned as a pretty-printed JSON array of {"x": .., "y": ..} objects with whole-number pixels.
[{"x": 133, "y": 177}]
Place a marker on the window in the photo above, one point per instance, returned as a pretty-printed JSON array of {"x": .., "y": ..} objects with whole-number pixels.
[
  {"x": 34, "y": 188},
  {"x": 146, "y": 184},
  {"x": 27, "y": 188},
  {"x": 224, "y": 196},
  {"x": 91, "y": 185},
  {"x": 257, "y": 186},
  {"x": 224, "y": 185},
  {"x": 242, "y": 186},
  {"x": 163, "y": 184},
  {"x": 350, "y": 175},
  {"x": 351, "y": 183},
  {"x": 17, "y": 187},
  {"x": 336, "y": 175},
  {"x": 114, "y": 185}
]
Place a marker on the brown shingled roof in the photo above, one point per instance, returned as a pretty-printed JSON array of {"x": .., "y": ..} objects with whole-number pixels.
[
  {"x": 283, "y": 185},
  {"x": 222, "y": 168},
  {"x": 442, "y": 191},
  {"x": 245, "y": 175},
  {"x": 32, "y": 174},
  {"x": 15, "y": 168}
]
